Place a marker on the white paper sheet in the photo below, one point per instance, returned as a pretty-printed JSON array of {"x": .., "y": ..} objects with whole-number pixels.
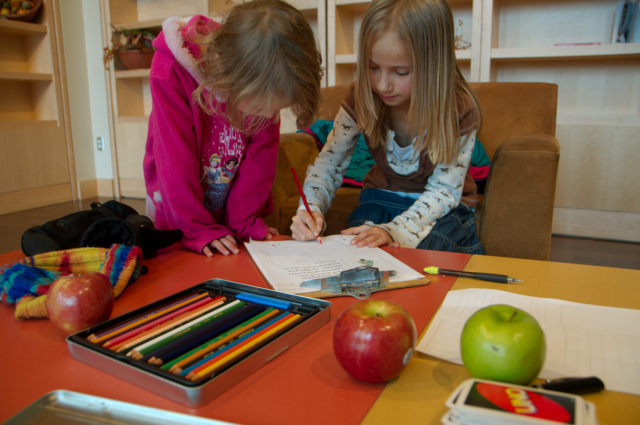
[
  {"x": 582, "y": 339},
  {"x": 286, "y": 264}
]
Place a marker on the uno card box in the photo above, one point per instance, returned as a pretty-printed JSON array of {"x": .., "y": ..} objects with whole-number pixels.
[
  {"x": 194, "y": 345},
  {"x": 478, "y": 401}
]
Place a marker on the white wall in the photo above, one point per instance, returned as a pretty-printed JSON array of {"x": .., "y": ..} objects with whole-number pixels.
[
  {"x": 97, "y": 87},
  {"x": 82, "y": 40}
]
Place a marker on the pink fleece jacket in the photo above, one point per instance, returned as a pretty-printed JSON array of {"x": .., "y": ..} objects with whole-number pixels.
[{"x": 202, "y": 175}]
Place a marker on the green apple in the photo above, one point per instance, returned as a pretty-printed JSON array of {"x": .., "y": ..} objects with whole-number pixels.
[{"x": 503, "y": 343}]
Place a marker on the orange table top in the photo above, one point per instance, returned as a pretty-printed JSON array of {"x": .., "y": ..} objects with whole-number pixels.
[{"x": 305, "y": 383}]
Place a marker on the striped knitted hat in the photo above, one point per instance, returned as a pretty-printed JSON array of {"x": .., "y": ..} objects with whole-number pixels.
[{"x": 27, "y": 282}]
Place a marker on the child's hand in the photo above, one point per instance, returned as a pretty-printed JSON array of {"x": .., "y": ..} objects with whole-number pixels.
[
  {"x": 370, "y": 236},
  {"x": 305, "y": 227},
  {"x": 272, "y": 231},
  {"x": 225, "y": 245}
]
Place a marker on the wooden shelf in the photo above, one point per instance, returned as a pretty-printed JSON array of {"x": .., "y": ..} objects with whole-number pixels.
[
  {"x": 133, "y": 119},
  {"x": 12, "y": 125},
  {"x": 152, "y": 23},
  {"x": 25, "y": 76},
  {"x": 461, "y": 55},
  {"x": 599, "y": 120},
  {"x": 303, "y": 5},
  {"x": 34, "y": 113},
  {"x": 21, "y": 28},
  {"x": 344, "y": 19},
  {"x": 133, "y": 73},
  {"x": 606, "y": 51}
]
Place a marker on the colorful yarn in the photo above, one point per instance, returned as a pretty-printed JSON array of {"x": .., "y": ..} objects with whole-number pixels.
[{"x": 28, "y": 281}]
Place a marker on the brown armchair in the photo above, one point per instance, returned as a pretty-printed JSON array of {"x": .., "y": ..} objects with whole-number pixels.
[{"x": 516, "y": 212}]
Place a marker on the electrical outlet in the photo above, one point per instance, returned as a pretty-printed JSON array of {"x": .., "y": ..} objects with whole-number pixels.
[{"x": 100, "y": 143}]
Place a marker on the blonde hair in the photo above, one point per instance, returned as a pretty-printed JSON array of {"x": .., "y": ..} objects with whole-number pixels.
[
  {"x": 426, "y": 30},
  {"x": 265, "y": 51}
]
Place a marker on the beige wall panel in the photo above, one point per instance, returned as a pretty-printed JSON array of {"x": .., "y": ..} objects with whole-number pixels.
[
  {"x": 38, "y": 49},
  {"x": 130, "y": 100},
  {"x": 33, "y": 157},
  {"x": 12, "y": 55},
  {"x": 159, "y": 9},
  {"x": 610, "y": 87},
  {"x": 597, "y": 224},
  {"x": 20, "y": 107},
  {"x": 105, "y": 187},
  {"x": 33, "y": 198},
  {"x": 535, "y": 23},
  {"x": 123, "y": 11},
  {"x": 146, "y": 97},
  {"x": 130, "y": 149},
  {"x": 599, "y": 167},
  {"x": 44, "y": 100},
  {"x": 133, "y": 188},
  {"x": 88, "y": 188}
]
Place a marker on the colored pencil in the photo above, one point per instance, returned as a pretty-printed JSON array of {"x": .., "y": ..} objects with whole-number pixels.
[
  {"x": 166, "y": 326},
  {"x": 243, "y": 348},
  {"x": 145, "y": 319},
  {"x": 175, "y": 366},
  {"x": 132, "y": 333},
  {"x": 141, "y": 316},
  {"x": 195, "y": 368},
  {"x": 196, "y": 337},
  {"x": 304, "y": 199},
  {"x": 141, "y": 350},
  {"x": 209, "y": 325},
  {"x": 172, "y": 326}
]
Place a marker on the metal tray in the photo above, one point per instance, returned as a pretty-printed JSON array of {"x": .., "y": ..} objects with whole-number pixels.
[
  {"x": 63, "y": 407},
  {"x": 186, "y": 392}
]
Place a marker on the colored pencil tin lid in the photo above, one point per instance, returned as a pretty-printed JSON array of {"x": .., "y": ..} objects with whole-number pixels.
[
  {"x": 242, "y": 355},
  {"x": 68, "y": 408}
]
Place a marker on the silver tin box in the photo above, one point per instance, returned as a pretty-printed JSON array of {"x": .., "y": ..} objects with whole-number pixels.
[{"x": 195, "y": 394}]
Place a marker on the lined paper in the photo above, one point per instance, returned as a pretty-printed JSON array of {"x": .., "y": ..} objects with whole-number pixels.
[{"x": 582, "y": 339}]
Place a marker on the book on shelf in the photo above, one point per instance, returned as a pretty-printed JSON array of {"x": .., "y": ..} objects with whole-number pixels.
[
  {"x": 624, "y": 22},
  {"x": 635, "y": 31}
]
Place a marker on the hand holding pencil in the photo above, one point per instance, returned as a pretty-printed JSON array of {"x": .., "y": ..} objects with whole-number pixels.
[{"x": 306, "y": 224}]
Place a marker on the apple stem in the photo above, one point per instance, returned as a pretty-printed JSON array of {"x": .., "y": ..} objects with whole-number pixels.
[{"x": 513, "y": 315}]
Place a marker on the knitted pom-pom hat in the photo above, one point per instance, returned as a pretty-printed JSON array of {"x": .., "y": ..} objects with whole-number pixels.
[{"x": 27, "y": 282}]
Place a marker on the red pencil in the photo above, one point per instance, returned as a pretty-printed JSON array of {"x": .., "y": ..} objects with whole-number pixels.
[{"x": 304, "y": 199}]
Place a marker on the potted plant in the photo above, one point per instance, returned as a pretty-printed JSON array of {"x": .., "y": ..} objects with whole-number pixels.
[{"x": 132, "y": 48}]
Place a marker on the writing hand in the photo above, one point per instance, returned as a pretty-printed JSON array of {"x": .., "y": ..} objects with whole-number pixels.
[
  {"x": 225, "y": 245},
  {"x": 304, "y": 227},
  {"x": 370, "y": 236},
  {"x": 272, "y": 231}
]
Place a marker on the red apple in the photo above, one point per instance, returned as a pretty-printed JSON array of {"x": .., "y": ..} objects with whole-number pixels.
[
  {"x": 78, "y": 302},
  {"x": 373, "y": 340}
]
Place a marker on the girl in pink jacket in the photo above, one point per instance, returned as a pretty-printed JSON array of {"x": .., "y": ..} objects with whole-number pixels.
[{"x": 217, "y": 90}]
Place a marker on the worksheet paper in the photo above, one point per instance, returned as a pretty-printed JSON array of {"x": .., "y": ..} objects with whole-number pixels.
[
  {"x": 286, "y": 264},
  {"x": 582, "y": 339}
]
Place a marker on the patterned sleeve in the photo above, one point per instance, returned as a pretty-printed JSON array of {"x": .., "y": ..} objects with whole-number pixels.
[
  {"x": 325, "y": 175},
  {"x": 442, "y": 194}
]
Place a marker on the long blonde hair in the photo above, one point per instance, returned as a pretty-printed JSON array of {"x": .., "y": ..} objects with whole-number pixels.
[
  {"x": 265, "y": 51},
  {"x": 426, "y": 30}
]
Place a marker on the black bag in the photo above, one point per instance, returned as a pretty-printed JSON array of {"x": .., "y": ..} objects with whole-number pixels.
[{"x": 101, "y": 226}]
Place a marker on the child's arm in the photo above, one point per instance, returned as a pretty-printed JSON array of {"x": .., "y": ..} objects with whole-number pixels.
[
  {"x": 442, "y": 194},
  {"x": 325, "y": 175},
  {"x": 250, "y": 195}
]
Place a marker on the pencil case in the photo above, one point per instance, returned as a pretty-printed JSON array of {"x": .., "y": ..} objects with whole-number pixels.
[{"x": 218, "y": 333}]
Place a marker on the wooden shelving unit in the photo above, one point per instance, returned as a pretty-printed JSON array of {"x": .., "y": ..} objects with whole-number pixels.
[
  {"x": 36, "y": 164},
  {"x": 344, "y": 19},
  {"x": 598, "y": 122},
  {"x": 129, "y": 94}
]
